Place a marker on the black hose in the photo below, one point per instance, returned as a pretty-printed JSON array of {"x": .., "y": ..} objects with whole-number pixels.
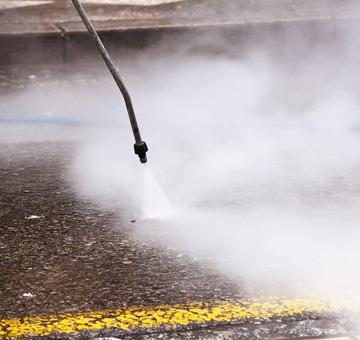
[{"x": 140, "y": 146}]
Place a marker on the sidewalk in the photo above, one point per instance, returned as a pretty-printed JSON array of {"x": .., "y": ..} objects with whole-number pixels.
[{"x": 22, "y": 23}]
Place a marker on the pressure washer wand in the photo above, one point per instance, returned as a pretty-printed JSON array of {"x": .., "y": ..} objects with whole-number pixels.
[{"x": 140, "y": 146}]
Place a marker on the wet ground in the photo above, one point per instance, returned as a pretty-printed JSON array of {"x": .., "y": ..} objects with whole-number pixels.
[
  {"x": 62, "y": 254},
  {"x": 72, "y": 257}
]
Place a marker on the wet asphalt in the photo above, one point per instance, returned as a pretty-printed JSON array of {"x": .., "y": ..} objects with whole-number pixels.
[
  {"x": 73, "y": 257},
  {"x": 62, "y": 254}
]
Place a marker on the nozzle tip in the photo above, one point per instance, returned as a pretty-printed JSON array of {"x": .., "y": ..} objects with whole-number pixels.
[{"x": 141, "y": 149}]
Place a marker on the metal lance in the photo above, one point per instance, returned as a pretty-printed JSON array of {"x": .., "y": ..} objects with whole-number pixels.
[{"x": 140, "y": 146}]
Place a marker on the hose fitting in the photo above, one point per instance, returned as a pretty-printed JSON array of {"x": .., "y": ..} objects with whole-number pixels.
[{"x": 141, "y": 149}]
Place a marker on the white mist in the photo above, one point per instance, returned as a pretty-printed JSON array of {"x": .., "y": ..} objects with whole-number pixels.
[
  {"x": 261, "y": 158},
  {"x": 155, "y": 204}
]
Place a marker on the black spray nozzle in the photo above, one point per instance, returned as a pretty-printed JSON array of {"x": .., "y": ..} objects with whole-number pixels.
[{"x": 141, "y": 149}]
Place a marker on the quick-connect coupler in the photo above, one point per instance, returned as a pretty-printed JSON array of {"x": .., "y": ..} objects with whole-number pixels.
[{"x": 141, "y": 149}]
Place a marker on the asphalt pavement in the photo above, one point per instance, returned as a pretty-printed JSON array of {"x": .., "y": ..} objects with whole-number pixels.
[
  {"x": 70, "y": 269},
  {"x": 70, "y": 257}
]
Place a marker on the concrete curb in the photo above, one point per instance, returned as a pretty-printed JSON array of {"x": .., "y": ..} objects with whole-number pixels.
[
  {"x": 53, "y": 32},
  {"x": 231, "y": 37}
]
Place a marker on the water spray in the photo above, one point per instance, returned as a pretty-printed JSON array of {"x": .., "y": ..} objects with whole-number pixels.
[{"x": 140, "y": 146}]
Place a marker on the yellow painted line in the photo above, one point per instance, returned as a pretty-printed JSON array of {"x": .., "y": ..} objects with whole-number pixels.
[{"x": 134, "y": 318}]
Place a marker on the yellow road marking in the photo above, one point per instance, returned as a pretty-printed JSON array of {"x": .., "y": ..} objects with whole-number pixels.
[{"x": 149, "y": 317}]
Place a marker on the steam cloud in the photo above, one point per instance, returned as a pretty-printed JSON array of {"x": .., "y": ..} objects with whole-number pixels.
[
  {"x": 261, "y": 162},
  {"x": 258, "y": 155}
]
